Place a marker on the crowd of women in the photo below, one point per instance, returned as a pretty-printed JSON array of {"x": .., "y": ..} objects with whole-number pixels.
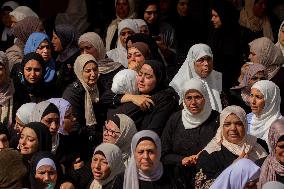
[{"x": 152, "y": 106}]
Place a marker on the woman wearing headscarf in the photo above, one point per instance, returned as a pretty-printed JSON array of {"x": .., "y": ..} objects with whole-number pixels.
[
  {"x": 265, "y": 52},
  {"x": 254, "y": 23},
  {"x": 20, "y": 13},
  {"x": 48, "y": 114},
  {"x": 230, "y": 143},
  {"x": 273, "y": 184},
  {"x": 265, "y": 102},
  {"x": 68, "y": 147},
  {"x": 188, "y": 131},
  {"x": 6, "y": 92},
  {"x": 199, "y": 64},
  {"x": 242, "y": 174},
  {"x": 280, "y": 42},
  {"x": 64, "y": 42},
  {"x": 45, "y": 172},
  {"x": 32, "y": 88},
  {"x": 142, "y": 26},
  {"x": 272, "y": 168},
  {"x": 124, "y": 9},
  {"x": 83, "y": 95},
  {"x": 4, "y": 137},
  {"x": 224, "y": 40},
  {"x": 107, "y": 167},
  {"x": 240, "y": 94},
  {"x": 40, "y": 43},
  {"x": 126, "y": 27},
  {"x": 124, "y": 82},
  {"x": 22, "y": 31},
  {"x": 152, "y": 82},
  {"x": 146, "y": 147}
]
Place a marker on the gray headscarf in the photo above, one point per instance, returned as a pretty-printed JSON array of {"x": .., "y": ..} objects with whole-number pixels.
[{"x": 132, "y": 173}]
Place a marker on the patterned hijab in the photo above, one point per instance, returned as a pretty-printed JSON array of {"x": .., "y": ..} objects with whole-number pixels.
[
  {"x": 254, "y": 23},
  {"x": 248, "y": 144},
  {"x": 271, "y": 166},
  {"x": 132, "y": 173},
  {"x": 268, "y": 54},
  {"x": 92, "y": 93},
  {"x": 270, "y": 112},
  {"x": 187, "y": 71}
]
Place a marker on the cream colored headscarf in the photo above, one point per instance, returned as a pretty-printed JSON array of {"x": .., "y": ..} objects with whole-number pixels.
[
  {"x": 114, "y": 24},
  {"x": 278, "y": 44},
  {"x": 248, "y": 144},
  {"x": 92, "y": 93},
  {"x": 254, "y": 23},
  {"x": 268, "y": 54}
]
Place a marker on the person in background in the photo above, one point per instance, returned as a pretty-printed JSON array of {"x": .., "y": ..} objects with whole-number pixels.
[
  {"x": 280, "y": 41},
  {"x": 20, "y": 13},
  {"x": 4, "y": 137}
]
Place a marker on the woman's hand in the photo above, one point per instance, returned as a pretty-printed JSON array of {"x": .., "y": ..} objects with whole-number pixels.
[
  {"x": 190, "y": 160},
  {"x": 143, "y": 101},
  {"x": 67, "y": 185},
  {"x": 78, "y": 164},
  {"x": 242, "y": 155}
]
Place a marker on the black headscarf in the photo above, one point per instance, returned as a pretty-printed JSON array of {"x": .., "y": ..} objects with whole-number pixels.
[
  {"x": 34, "y": 161},
  {"x": 51, "y": 108},
  {"x": 160, "y": 73},
  {"x": 69, "y": 39},
  {"x": 43, "y": 135}
]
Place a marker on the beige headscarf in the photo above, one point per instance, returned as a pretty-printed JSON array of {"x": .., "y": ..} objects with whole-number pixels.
[
  {"x": 114, "y": 24},
  {"x": 254, "y": 23},
  {"x": 278, "y": 44},
  {"x": 268, "y": 55},
  {"x": 106, "y": 65},
  {"x": 248, "y": 144},
  {"x": 92, "y": 93}
]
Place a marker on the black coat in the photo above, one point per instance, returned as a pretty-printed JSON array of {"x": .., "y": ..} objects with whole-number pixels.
[{"x": 165, "y": 182}]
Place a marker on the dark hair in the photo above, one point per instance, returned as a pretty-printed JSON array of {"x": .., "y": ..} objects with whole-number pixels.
[
  {"x": 51, "y": 108},
  {"x": 100, "y": 153},
  {"x": 145, "y": 138}
]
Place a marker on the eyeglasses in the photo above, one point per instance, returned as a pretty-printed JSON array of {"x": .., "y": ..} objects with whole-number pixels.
[{"x": 109, "y": 131}]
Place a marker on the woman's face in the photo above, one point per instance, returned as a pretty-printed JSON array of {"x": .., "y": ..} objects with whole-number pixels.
[
  {"x": 90, "y": 74},
  {"x": 111, "y": 132},
  {"x": 52, "y": 121},
  {"x": 46, "y": 174},
  {"x": 279, "y": 152},
  {"x": 88, "y": 48},
  {"x": 28, "y": 141},
  {"x": 204, "y": 66},
  {"x": 44, "y": 49},
  {"x": 3, "y": 75},
  {"x": 100, "y": 167},
  {"x": 4, "y": 143},
  {"x": 182, "y": 7},
  {"x": 259, "y": 8},
  {"x": 13, "y": 21},
  {"x": 19, "y": 125},
  {"x": 215, "y": 19},
  {"x": 56, "y": 43},
  {"x": 146, "y": 79},
  {"x": 257, "y": 77},
  {"x": 144, "y": 29},
  {"x": 257, "y": 101},
  {"x": 281, "y": 37},
  {"x": 146, "y": 155},
  {"x": 253, "y": 57},
  {"x": 122, "y": 8},
  {"x": 124, "y": 33},
  {"x": 33, "y": 71},
  {"x": 69, "y": 120},
  {"x": 135, "y": 59},
  {"x": 194, "y": 101},
  {"x": 233, "y": 129},
  {"x": 151, "y": 14}
]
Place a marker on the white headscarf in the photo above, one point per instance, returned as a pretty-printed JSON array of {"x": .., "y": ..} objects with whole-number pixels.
[
  {"x": 281, "y": 46},
  {"x": 92, "y": 94},
  {"x": 189, "y": 120},
  {"x": 114, "y": 24},
  {"x": 127, "y": 131},
  {"x": 132, "y": 173},
  {"x": 113, "y": 156},
  {"x": 125, "y": 82},
  {"x": 187, "y": 71},
  {"x": 22, "y": 12},
  {"x": 25, "y": 111},
  {"x": 62, "y": 105},
  {"x": 248, "y": 144},
  {"x": 273, "y": 185},
  {"x": 237, "y": 175},
  {"x": 271, "y": 111},
  {"x": 119, "y": 54}
]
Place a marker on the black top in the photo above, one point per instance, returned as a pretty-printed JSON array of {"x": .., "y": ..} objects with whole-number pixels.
[
  {"x": 165, "y": 182},
  {"x": 178, "y": 142}
]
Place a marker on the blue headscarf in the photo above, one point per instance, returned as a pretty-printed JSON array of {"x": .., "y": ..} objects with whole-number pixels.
[{"x": 33, "y": 42}]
